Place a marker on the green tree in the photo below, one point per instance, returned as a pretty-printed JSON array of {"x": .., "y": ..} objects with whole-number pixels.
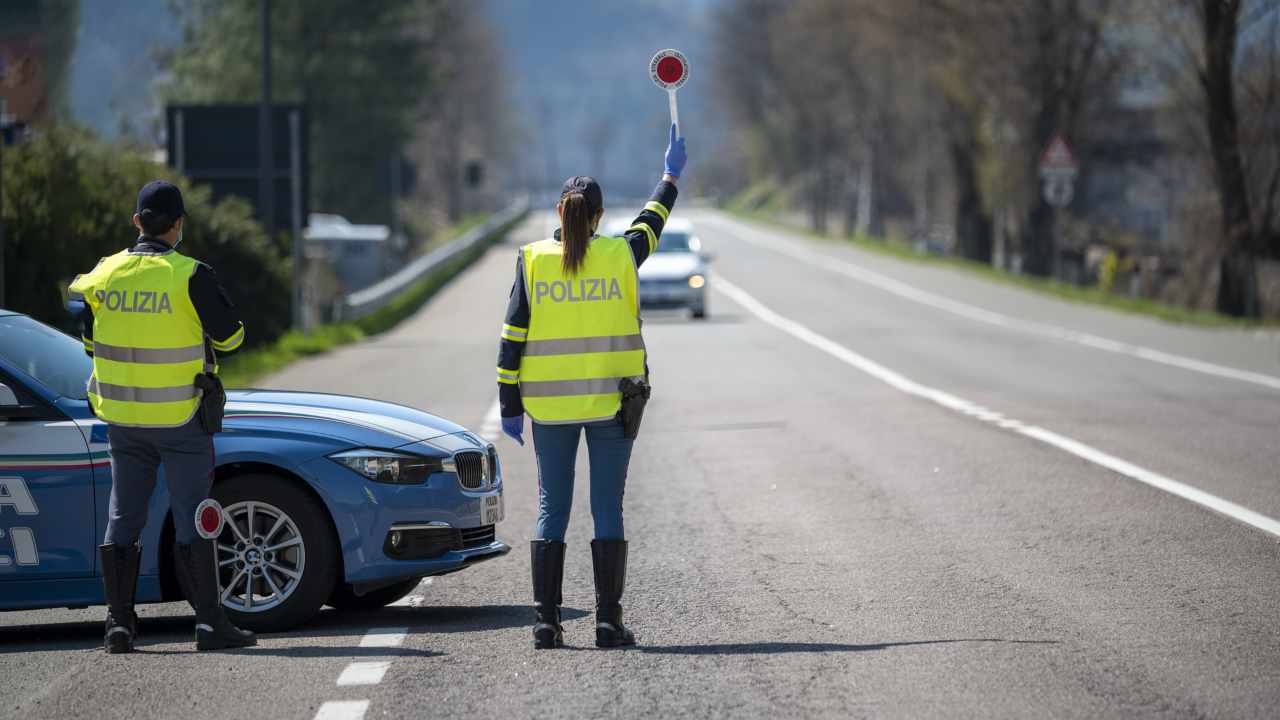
[
  {"x": 359, "y": 67},
  {"x": 68, "y": 200}
]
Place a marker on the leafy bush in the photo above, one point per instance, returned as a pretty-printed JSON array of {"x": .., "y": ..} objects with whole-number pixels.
[{"x": 68, "y": 200}]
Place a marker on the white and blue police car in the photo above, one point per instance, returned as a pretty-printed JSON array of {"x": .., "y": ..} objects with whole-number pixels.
[{"x": 327, "y": 499}]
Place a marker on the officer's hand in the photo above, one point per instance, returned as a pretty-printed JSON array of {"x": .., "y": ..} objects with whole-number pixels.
[
  {"x": 675, "y": 154},
  {"x": 514, "y": 428}
]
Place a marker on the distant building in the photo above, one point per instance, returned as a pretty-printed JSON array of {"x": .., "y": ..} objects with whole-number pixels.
[{"x": 360, "y": 254}]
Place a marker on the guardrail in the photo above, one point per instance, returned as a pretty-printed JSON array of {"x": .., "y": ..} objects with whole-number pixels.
[{"x": 362, "y": 302}]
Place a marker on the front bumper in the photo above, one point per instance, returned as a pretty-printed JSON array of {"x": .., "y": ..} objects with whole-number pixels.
[{"x": 365, "y": 513}]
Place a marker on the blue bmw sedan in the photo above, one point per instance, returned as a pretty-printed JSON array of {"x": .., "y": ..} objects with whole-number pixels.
[{"x": 328, "y": 499}]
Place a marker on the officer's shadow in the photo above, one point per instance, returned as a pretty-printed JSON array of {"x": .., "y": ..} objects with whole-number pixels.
[{"x": 777, "y": 648}]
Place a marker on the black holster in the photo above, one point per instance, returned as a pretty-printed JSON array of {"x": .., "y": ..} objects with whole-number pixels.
[
  {"x": 635, "y": 394},
  {"x": 213, "y": 402}
]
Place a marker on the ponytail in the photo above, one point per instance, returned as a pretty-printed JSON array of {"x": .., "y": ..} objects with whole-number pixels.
[{"x": 575, "y": 232}]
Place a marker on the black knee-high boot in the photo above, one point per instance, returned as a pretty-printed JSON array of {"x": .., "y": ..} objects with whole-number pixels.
[
  {"x": 609, "y": 557},
  {"x": 547, "y": 559},
  {"x": 199, "y": 579},
  {"x": 119, "y": 581}
]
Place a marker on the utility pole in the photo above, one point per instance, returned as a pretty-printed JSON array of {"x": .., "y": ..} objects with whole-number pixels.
[
  {"x": 266, "y": 153},
  {"x": 4, "y": 125}
]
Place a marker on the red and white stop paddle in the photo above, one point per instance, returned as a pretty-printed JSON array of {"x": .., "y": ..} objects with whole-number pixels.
[
  {"x": 670, "y": 70},
  {"x": 209, "y": 519}
]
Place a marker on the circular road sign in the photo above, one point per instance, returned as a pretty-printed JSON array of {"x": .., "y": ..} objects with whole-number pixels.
[
  {"x": 669, "y": 69},
  {"x": 209, "y": 519}
]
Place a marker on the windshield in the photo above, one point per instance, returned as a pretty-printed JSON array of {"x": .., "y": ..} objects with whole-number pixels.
[
  {"x": 55, "y": 360},
  {"x": 673, "y": 242}
]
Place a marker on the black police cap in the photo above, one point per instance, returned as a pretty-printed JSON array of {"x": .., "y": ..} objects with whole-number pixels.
[{"x": 160, "y": 198}]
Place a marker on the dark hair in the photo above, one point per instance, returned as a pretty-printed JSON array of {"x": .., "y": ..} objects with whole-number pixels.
[
  {"x": 155, "y": 224},
  {"x": 575, "y": 231}
]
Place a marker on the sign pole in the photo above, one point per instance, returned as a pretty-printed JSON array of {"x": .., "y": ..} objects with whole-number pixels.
[{"x": 675, "y": 111}]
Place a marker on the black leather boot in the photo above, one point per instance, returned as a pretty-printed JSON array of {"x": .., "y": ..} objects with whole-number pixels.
[
  {"x": 199, "y": 580},
  {"x": 119, "y": 581},
  {"x": 547, "y": 559},
  {"x": 609, "y": 557}
]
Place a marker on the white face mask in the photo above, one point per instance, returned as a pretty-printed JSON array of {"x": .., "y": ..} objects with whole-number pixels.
[{"x": 179, "y": 240}]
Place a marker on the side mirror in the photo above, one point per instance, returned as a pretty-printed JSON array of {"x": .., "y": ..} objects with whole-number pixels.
[
  {"x": 707, "y": 256},
  {"x": 12, "y": 409}
]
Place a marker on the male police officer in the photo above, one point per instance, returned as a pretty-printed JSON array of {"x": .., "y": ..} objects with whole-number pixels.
[{"x": 152, "y": 321}]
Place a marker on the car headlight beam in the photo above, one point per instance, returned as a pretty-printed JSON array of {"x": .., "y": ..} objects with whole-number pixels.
[{"x": 389, "y": 467}]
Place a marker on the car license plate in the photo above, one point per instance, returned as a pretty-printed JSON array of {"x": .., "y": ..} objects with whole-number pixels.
[{"x": 491, "y": 511}]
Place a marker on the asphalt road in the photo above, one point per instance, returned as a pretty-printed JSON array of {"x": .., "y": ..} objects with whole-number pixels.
[{"x": 864, "y": 488}]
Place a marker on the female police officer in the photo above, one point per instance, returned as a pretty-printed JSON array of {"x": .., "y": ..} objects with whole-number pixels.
[{"x": 572, "y": 336}]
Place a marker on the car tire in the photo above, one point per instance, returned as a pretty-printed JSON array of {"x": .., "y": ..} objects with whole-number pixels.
[
  {"x": 310, "y": 518},
  {"x": 343, "y": 598},
  {"x": 700, "y": 313}
]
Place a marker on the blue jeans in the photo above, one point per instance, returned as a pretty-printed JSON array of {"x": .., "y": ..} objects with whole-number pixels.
[{"x": 557, "y": 449}]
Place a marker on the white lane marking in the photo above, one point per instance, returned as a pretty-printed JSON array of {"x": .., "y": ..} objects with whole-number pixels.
[
  {"x": 342, "y": 710},
  {"x": 364, "y": 673},
  {"x": 960, "y": 405},
  {"x": 384, "y": 637},
  {"x": 909, "y": 292},
  {"x": 491, "y": 426}
]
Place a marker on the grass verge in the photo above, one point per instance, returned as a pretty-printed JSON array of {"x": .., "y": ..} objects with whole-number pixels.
[
  {"x": 1046, "y": 286},
  {"x": 247, "y": 367}
]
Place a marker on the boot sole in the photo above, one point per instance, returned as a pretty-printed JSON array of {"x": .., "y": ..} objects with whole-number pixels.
[
  {"x": 547, "y": 639},
  {"x": 607, "y": 637},
  {"x": 118, "y": 644}
]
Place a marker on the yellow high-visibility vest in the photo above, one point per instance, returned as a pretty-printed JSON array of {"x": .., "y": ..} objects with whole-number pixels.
[
  {"x": 148, "y": 343},
  {"x": 584, "y": 332}
]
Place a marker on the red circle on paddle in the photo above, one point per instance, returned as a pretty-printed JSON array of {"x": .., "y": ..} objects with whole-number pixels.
[
  {"x": 670, "y": 69},
  {"x": 210, "y": 519}
]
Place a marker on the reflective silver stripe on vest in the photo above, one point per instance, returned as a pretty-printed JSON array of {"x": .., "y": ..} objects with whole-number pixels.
[
  {"x": 576, "y": 346},
  {"x": 559, "y": 388},
  {"x": 150, "y": 356},
  {"x": 125, "y": 393}
]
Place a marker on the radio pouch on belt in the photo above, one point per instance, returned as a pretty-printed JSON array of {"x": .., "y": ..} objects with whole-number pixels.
[
  {"x": 634, "y": 396},
  {"x": 213, "y": 402}
]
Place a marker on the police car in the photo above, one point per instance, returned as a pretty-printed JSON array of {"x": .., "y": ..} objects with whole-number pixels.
[
  {"x": 327, "y": 499},
  {"x": 676, "y": 275}
]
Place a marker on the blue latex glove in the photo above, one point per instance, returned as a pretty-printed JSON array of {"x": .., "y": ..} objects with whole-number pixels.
[
  {"x": 514, "y": 428},
  {"x": 675, "y": 154}
]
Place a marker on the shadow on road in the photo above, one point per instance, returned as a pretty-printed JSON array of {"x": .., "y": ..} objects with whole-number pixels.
[
  {"x": 85, "y": 635},
  {"x": 778, "y": 648},
  {"x": 439, "y": 618}
]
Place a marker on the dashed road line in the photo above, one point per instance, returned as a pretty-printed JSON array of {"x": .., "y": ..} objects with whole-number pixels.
[
  {"x": 364, "y": 673},
  {"x": 970, "y": 409},
  {"x": 973, "y": 312},
  {"x": 384, "y": 637},
  {"x": 342, "y": 710}
]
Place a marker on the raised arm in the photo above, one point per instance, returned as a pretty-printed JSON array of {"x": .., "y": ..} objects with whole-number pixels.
[{"x": 647, "y": 228}]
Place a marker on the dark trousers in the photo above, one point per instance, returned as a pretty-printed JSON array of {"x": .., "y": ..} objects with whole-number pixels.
[
  {"x": 136, "y": 455},
  {"x": 556, "y": 447}
]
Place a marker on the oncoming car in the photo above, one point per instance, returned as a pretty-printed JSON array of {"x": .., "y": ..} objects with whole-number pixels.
[
  {"x": 676, "y": 275},
  {"x": 328, "y": 499}
]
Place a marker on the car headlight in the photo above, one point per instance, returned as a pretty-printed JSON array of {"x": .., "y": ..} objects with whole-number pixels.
[
  {"x": 385, "y": 466},
  {"x": 697, "y": 281}
]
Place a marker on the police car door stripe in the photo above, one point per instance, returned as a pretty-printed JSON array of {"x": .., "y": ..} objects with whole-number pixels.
[
  {"x": 574, "y": 346},
  {"x": 559, "y": 388},
  {"x": 157, "y": 356},
  {"x": 125, "y": 393}
]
